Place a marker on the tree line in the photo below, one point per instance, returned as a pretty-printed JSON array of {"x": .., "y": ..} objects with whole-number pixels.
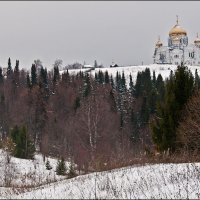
[{"x": 92, "y": 120}]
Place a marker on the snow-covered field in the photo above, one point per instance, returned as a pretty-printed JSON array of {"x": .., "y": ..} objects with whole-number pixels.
[
  {"x": 150, "y": 181},
  {"x": 164, "y": 70}
]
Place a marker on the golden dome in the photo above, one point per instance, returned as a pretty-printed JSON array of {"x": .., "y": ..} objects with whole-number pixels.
[
  {"x": 177, "y": 30},
  {"x": 197, "y": 39}
]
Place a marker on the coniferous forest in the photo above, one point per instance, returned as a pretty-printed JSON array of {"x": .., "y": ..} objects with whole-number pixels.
[{"x": 98, "y": 122}]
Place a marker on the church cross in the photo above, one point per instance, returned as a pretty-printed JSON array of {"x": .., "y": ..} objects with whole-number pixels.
[{"x": 177, "y": 19}]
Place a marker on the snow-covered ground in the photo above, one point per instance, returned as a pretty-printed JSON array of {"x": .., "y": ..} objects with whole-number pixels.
[
  {"x": 21, "y": 173},
  {"x": 164, "y": 70},
  {"x": 31, "y": 180},
  {"x": 176, "y": 181}
]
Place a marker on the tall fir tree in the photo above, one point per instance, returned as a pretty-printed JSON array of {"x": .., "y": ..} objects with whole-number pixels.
[
  {"x": 131, "y": 86},
  {"x": 123, "y": 82},
  {"x": 28, "y": 81},
  {"x": 87, "y": 88},
  {"x": 112, "y": 82},
  {"x": 43, "y": 77},
  {"x": 95, "y": 64},
  {"x": 61, "y": 167},
  {"x": 160, "y": 87},
  {"x": 24, "y": 147},
  {"x": 33, "y": 75},
  {"x": 9, "y": 69},
  {"x": 154, "y": 78},
  {"x": 197, "y": 80},
  {"x": 48, "y": 166},
  {"x": 138, "y": 85},
  {"x": 16, "y": 73},
  {"x": 56, "y": 75},
  {"x": 179, "y": 88},
  {"x": 101, "y": 77},
  {"x": 107, "y": 79}
]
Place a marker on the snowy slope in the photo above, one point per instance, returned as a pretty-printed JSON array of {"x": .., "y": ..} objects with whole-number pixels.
[
  {"x": 164, "y": 70},
  {"x": 31, "y": 180},
  {"x": 21, "y": 173},
  {"x": 151, "y": 181}
]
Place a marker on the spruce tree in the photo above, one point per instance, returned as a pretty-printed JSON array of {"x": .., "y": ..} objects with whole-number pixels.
[
  {"x": 154, "y": 78},
  {"x": 43, "y": 77},
  {"x": 28, "y": 81},
  {"x": 160, "y": 87},
  {"x": 95, "y": 64},
  {"x": 71, "y": 172},
  {"x": 101, "y": 77},
  {"x": 33, "y": 75},
  {"x": 9, "y": 69},
  {"x": 138, "y": 85},
  {"x": 61, "y": 168},
  {"x": 16, "y": 72},
  {"x": 48, "y": 166},
  {"x": 131, "y": 86},
  {"x": 87, "y": 87},
  {"x": 197, "y": 80},
  {"x": 96, "y": 77},
  {"x": 146, "y": 81},
  {"x": 24, "y": 147},
  {"x": 56, "y": 75},
  {"x": 123, "y": 82},
  {"x": 107, "y": 79},
  {"x": 112, "y": 82},
  {"x": 119, "y": 85},
  {"x": 179, "y": 88}
]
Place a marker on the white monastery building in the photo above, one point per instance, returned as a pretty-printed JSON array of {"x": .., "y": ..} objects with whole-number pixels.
[{"x": 178, "y": 49}]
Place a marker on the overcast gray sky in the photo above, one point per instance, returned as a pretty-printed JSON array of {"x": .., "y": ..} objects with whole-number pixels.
[{"x": 125, "y": 32}]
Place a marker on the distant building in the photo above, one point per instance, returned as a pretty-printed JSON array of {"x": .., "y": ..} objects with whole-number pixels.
[
  {"x": 88, "y": 66},
  {"x": 114, "y": 65},
  {"x": 178, "y": 49}
]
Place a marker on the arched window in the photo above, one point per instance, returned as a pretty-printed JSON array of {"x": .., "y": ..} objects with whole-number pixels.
[{"x": 192, "y": 54}]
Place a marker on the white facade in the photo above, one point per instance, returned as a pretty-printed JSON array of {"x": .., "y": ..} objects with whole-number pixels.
[{"x": 178, "y": 49}]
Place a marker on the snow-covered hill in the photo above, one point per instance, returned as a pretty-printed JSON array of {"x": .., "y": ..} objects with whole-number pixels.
[
  {"x": 23, "y": 173},
  {"x": 31, "y": 180},
  {"x": 164, "y": 70},
  {"x": 176, "y": 181}
]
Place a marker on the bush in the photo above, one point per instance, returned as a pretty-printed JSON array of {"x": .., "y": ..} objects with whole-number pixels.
[
  {"x": 61, "y": 168},
  {"x": 71, "y": 172},
  {"x": 48, "y": 166},
  {"x": 24, "y": 147}
]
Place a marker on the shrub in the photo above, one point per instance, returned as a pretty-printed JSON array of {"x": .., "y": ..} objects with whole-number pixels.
[
  {"x": 61, "y": 168},
  {"x": 48, "y": 166},
  {"x": 71, "y": 172},
  {"x": 24, "y": 147}
]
